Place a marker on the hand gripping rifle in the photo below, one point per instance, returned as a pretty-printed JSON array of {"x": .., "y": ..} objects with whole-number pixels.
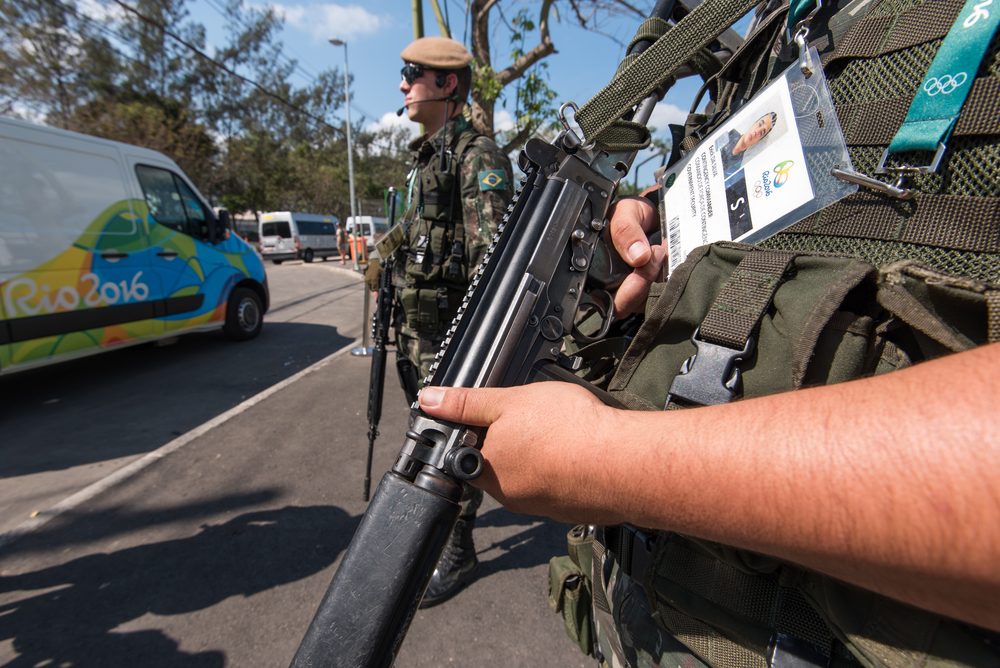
[
  {"x": 380, "y": 333},
  {"x": 548, "y": 261}
]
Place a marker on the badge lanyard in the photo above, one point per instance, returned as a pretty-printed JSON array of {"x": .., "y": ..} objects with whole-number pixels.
[{"x": 937, "y": 104}]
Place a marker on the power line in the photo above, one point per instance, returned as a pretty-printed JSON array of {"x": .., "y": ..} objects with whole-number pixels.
[
  {"x": 222, "y": 67},
  {"x": 225, "y": 13}
]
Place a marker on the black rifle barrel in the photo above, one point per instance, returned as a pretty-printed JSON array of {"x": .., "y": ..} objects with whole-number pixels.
[
  {"x": 380, "y": 333},
  {"x": 366, "y": 610}
]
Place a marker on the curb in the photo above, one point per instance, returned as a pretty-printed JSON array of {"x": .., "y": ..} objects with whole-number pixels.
[{"x": 129, "y": 470}]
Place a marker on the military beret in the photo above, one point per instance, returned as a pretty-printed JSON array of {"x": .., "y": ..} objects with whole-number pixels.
[{"x": 439, "y": 53}]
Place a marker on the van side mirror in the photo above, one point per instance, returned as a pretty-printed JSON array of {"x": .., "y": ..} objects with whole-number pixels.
[{"x": 223, "y": 225}]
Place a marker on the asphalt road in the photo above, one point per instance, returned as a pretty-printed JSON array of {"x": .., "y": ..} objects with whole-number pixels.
[{"x": 218, "y": 553}]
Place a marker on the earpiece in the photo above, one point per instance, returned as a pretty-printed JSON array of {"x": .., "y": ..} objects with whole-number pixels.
[{"x": 441, "y": 80}]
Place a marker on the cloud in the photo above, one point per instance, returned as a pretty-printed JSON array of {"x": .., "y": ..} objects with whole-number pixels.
[
  {"x": 324, "y": 21},
  {"x": 664, "y": 114},
  {"x": 502, "y": 120},
  {"x": 391, "y": 120}
]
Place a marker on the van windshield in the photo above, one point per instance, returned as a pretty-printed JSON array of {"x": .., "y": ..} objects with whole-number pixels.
[{"x": 278, "y": 229}]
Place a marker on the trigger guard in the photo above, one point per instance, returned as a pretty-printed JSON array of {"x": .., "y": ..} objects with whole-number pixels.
[{"x": 587, "y": 300}]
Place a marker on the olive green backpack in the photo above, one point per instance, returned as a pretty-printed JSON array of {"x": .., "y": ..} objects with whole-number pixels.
[{"x": 866, "y": 286}]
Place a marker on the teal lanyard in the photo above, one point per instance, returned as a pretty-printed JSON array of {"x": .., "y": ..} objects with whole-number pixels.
[
  {"x": 937, "y": 104},
  {"x": 799, "y": 10},
  {"x": 411, "y": 180}
]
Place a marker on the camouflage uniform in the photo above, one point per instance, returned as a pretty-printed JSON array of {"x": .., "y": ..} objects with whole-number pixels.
[
  {"x": 483, "y": 207},
  {"x": 485, "y": 179}
]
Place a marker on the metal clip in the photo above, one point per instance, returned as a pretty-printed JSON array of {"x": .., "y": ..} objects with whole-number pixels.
[
  {"x": 806, "y": 63},
  {"x": 921, "y": 169},
  {"x": 894, "y": 189},
  {"x": 710, "y": 376},
  {"x": 572, "y": 135}
]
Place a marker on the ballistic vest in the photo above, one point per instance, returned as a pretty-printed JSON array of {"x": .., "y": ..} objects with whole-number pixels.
[{"x": 434, "y": 268}]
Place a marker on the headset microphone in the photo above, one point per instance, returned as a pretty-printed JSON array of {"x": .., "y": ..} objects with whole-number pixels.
[{"x": 433, "y": 99}]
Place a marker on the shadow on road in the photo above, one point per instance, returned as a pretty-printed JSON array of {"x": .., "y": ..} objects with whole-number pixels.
[
  {"x": 73, "y": 529},
  {"x": 70, "y": 612},
  {"x": 134, "y": 400},
  {"x": 541, "y": 539}
]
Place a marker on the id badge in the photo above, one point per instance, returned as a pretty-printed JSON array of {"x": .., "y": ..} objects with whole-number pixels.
[
  {"x": 390, "y": 241},
  {"x": 766, "y": 168}
]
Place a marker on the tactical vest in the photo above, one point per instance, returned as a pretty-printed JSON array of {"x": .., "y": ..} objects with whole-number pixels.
[
  {"x": 435, "y": 260},
  {"x": 866, "y": 286}
]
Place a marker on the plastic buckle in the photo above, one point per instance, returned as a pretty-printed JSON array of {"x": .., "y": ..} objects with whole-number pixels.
[
  {"x": 922, "y": 169},
  {"x": 710, "y": 376}
]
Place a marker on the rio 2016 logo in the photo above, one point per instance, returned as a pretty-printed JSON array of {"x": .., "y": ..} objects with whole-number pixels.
[
  {"x": 762, "y": 188},
  {"x": 781, "y": 172}
]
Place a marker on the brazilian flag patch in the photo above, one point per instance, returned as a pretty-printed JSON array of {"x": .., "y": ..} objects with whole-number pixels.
[{"x": 491, "y": 180}]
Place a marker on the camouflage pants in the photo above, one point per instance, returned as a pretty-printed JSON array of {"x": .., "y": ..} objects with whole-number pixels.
[
  {"x": 628, "y": 635},
  {"x": 421, "y": 351}
]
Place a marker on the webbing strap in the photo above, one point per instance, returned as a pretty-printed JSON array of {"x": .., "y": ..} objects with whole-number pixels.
[
  {"x": 972, "y": 223},
  {"x": 876, "y": 123},
  {"x": 878, "y": 35},
  {"x": 745, "y": 298},
  {"x": 993, "y": 315},
  {"x": 599, "y": 118}
]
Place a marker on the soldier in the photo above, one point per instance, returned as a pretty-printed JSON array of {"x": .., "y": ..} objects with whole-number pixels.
[{"x": 457, "y": 193}]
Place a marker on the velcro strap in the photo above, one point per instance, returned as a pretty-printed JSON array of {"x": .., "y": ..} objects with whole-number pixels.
[{"x": 745, "y": 298}]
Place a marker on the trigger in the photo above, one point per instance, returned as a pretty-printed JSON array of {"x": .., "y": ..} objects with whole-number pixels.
[{"x": 606, "y": 317}]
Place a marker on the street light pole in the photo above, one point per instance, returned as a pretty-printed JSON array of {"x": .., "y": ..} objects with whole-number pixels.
[{"x": 350, "y": 155}]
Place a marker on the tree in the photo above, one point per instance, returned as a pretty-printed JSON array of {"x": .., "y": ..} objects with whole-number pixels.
[
  {"x": 532, "y": 96},
  {"x": 52, "y": 59}
]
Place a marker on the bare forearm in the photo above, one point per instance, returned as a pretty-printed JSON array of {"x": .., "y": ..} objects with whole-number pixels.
[{"x": 889, "y": 483}]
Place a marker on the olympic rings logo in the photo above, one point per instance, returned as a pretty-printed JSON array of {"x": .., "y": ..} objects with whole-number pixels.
[
  {"x": 781, "y": 172},
  {"x": 945, "y": 84},
  {"x": 758, "y": 190},
  {"x": 978, "y": 12}
]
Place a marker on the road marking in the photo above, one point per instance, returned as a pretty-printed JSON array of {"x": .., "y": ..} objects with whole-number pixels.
[{"x": 127, "y": 471}]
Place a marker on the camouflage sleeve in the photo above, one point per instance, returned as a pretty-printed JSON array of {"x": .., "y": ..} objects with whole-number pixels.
[{"x": 487, "y": 188}]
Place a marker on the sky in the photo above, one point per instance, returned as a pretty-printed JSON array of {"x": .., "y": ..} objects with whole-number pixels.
[{"x": 376, "y": 31}]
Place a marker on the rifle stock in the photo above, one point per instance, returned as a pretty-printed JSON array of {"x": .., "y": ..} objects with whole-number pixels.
[{"x": 549, "y": 258}]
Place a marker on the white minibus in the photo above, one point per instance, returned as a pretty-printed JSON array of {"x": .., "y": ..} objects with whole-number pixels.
[{"x": 287, "y": 235}]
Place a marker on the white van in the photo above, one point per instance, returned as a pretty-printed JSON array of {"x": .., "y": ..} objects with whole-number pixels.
[
  {"x": 286, "y": 235},
  {"x": 103, "y": 245},
  {"x": 370, "y": 227}
]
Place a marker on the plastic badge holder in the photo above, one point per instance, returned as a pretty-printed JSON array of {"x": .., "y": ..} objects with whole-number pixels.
[{"x": 767, "y": 167}]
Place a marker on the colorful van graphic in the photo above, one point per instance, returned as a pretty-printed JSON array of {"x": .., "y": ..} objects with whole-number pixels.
[{"x": 103, "y": 244}]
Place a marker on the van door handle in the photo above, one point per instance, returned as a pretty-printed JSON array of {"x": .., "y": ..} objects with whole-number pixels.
[
  {"x": 167, "y": 253},
  {"x": 114, "y": 255}
]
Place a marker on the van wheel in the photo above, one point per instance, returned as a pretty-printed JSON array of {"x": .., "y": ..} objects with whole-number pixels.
[
  {"x": 276, "y": 261},
  {"x": 244, "y": 315},
  {"x": 307, "y": 256}
]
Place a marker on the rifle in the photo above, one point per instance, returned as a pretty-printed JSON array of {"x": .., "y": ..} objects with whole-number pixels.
[
  {"x": 548, "y": 260},
  {"x": 380, "y": 333}
]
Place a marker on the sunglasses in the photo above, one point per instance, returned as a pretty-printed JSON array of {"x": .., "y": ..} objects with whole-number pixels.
[{"x": 412, "y": 72}]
